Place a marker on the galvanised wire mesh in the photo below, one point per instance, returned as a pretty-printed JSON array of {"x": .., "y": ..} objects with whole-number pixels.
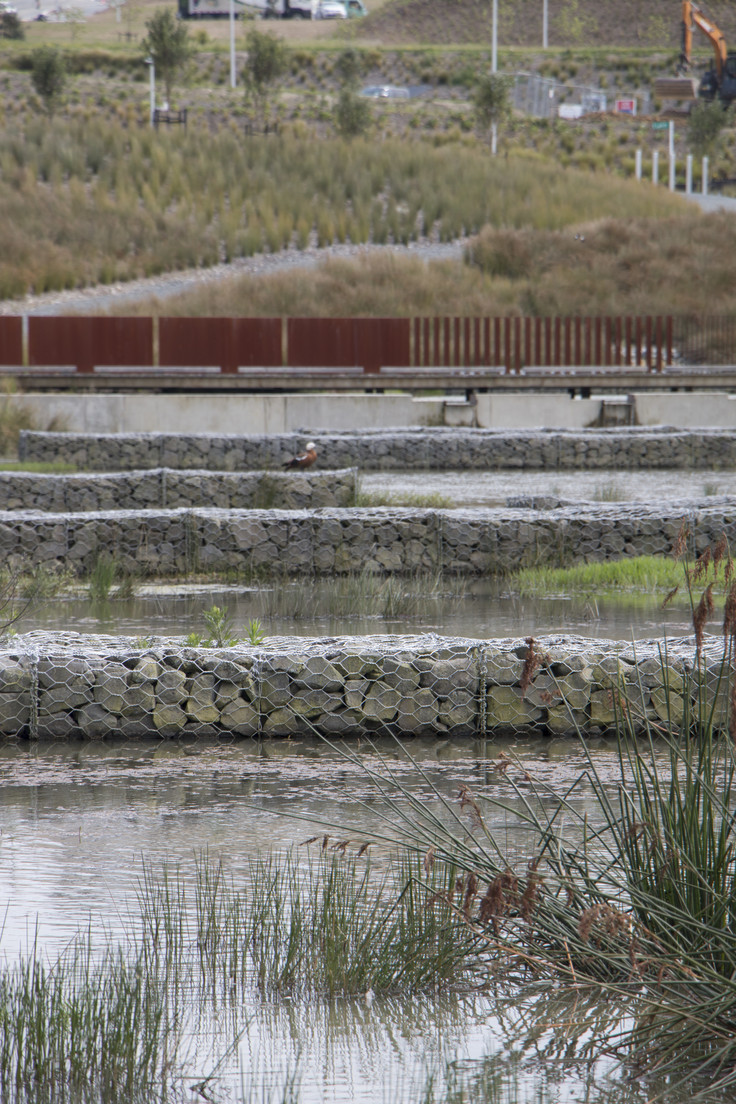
[{"x": 62, "y": 685}]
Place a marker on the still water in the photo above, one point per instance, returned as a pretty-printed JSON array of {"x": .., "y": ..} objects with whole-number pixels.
[
  {"x": 480, "y": 609},
  {"x": 76, "y": 823}
]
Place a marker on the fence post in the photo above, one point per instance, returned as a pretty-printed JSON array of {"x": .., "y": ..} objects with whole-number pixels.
[
  {"x": 637, "y": 170},
  {"x": 655, "y": 167},
  {"x": 689, "y": 174},
  {"x": 705, "y": 176}
]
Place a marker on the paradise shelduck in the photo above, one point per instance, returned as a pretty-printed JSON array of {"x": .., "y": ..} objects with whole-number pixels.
[{"x": 305, "y": 459}]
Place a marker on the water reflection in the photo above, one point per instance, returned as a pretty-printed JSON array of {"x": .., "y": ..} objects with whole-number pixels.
[
  {"x": 77, "y": 820},
  {"x": 481, "y": 609}
]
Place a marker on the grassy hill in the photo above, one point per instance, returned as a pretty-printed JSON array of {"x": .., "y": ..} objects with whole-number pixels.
[{"x": 572, "y": 23}]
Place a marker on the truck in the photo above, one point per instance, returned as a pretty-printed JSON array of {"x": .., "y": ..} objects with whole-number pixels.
[
  {"x": 719, "y": 82},
  {"x": 210, "y": 9}
]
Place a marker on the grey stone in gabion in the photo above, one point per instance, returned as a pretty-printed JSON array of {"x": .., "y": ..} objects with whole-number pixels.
[
  {"x": 400, "y": 676},
  {"x": 357, "y": 666},
  {"x": 668, "y": 705},
  {"x": 449, "y": 675},
  {"x": 58, "y": 699},
  {"x": 275, "y": 690},
  {"x": 59, "y": 726},
  {"x": 418, "y": 712},
  {"x": 171, "y": 687},
  {"x": 110, "y": 687},
  {"x": 355, "y": 691},
  {"x": 138, "y": 700},
  {"x": 603, "y": 708},
  {"x": 200, "y": 704},
  {"x": 281, "y": 722},
  {"x": 14, "y": 678},
  {"x": 459, "y": 709},
  {"x": 563, "y": 721},
  {"x": 95, "y": 721},
  {"x": 75, "y": 673},
  {"x": 147, "y": 669},
  {"x": 502, "y": 669},
  {"x": 653, "y": 672},
  {"x": 550, "y": 692},
  {"x": 612, "y": 671},
  {"x": 381, "y": 702},
  {"x": 320, "y": 674},
  {"x": 310, "y": 704},
  {"x": 341, "y": 722},
  {"x": 15, "y": 712},
  {"x": 240, "y": 717},
  {"x": 506, "y": 709},
  {"x": 225, "y": 693},
  {"x": 169, "y": 720}
]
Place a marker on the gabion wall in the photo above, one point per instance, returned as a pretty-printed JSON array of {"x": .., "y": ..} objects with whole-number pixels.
[
  {"x": 168, "y": 488},
  {"x": 62, "y": 685},
  {"x": 387, "y": 540},
  {"x": 411, "y": 449}
]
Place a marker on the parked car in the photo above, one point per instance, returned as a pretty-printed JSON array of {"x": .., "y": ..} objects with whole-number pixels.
[
  {"x": 339, "y": 9},
  {"x": 385, "y": 92}
]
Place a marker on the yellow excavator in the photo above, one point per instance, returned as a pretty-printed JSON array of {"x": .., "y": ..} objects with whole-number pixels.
[{"x": 719, "y": 82}]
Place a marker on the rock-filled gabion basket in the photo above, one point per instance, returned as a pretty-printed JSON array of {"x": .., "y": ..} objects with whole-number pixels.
[
  {"x": 170, "y": 488},
  {"x": 385, "y": 540},
  {"x": 411, "y": 449},
  {"x": 63, "y": 685}
]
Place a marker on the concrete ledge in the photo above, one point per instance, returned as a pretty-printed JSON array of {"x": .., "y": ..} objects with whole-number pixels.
[
  {"x": 439, "y": 449},
  {"x": 282, "y": 543},
  {"x": 169, "y": 488},
  {"x": 56, "y": 686}
]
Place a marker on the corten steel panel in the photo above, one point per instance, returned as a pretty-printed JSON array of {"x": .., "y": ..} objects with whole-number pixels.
[
  {"x": 90, "y": 342},
  {"x": 225, "y": 342},
  {"x": 11, "y": 342},
  {"x": 382, "y": 341},
  {"x": 320, "y": 343}
]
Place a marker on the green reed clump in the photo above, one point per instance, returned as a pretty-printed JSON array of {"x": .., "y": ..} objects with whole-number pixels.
[
  {"x": 628, "y": 883},
  {"x": 323, "y": 925},
  {"x": 364, "y": 593},
  {"x": 108, "y": 580},
  {"x": 636, "y": 573},
  {"x": 81, "y": 1031}
]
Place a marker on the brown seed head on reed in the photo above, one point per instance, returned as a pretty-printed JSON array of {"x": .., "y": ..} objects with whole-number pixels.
[
  {"x": 702, "y": 612},
  {"x": 700, "y": 568},
  {"x": 670, "y": 596},
  {"x": 681, "y": 540},
  {"x": 532, "y": 662},
  {"x": 471, "y": 889},
  {"x": 720, "y": 551}
]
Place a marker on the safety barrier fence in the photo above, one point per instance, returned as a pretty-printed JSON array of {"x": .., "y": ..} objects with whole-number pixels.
[
  {"x": 364, "y": 345},
  {"x": 54, "y": 686}
]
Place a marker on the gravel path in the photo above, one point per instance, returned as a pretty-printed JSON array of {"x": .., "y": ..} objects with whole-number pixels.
[{"x": 104, "y": 296}]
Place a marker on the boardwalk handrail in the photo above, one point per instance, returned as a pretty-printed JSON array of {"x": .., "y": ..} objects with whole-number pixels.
[{"x": 513, "y": 345}]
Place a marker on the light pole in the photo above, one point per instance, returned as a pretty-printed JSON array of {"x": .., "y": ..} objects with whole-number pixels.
[
  {"x": 494, "y": 66},
  {"x": 232, "y": 44},
  {"x": 152, "y": 84}
]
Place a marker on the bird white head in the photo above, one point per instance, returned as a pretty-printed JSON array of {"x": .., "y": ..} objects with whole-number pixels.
[{"x": 310, "y": 445}]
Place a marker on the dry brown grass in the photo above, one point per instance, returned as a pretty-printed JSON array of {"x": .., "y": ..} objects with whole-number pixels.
[{"x": 615, "y": 266}]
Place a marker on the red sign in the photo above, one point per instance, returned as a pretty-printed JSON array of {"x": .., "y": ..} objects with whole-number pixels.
[{"x": 626, "y": 107}]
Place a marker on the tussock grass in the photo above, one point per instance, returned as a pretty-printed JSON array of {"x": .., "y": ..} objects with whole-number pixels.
[
  {"x": 92, "y": 200},
  {"x": 647, "y": 574}
]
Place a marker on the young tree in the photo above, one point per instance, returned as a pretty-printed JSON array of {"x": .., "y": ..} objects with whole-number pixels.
[
  {"x": 264, "y": 64},
  {"x": 352, "y": 114},
  {"x": 167, "y": 43},
  {"x": 48, "y": 75},
  {"x": 491, "y": 101},
  {"x": 704, "y": 125},
  {"x": 11, "y": 26}
]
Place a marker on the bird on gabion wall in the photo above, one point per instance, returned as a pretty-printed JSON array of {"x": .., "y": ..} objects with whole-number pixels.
[{"x": 304, "y": 459}]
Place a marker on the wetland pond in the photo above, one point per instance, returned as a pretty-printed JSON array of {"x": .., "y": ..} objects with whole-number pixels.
[
  {"x": 77, "y": 821},
  {"x": 80, "y": 823}
]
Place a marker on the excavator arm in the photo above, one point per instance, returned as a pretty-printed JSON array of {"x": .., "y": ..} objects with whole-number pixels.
[{"x": 692, "y": 17}]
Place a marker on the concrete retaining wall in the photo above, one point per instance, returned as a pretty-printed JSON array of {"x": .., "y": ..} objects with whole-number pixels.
[
  {"x": 417, "y": 449},
  {"x": 167, "y": 488},
  {"x": 390, "y": 540},
  {"x": 61, "y": 685}
]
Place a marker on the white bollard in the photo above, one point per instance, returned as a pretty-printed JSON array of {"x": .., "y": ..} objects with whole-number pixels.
[
  {"x": 655, "y": 167},
  {"x": 672, "y": 173},
  {"x": 689, "y": 174},
  {"x": 705, "y": 176},
  {"x": 637, "y": 170}
]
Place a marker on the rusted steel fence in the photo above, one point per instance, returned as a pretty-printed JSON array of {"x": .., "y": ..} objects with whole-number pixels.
[{"x": 508, "y": 345}]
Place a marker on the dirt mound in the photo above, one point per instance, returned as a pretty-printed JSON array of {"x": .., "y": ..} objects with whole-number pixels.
[{"x": 574, "y": 23}]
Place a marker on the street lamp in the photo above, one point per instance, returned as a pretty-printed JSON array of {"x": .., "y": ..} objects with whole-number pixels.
[{"x": 152, "y": 72}]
